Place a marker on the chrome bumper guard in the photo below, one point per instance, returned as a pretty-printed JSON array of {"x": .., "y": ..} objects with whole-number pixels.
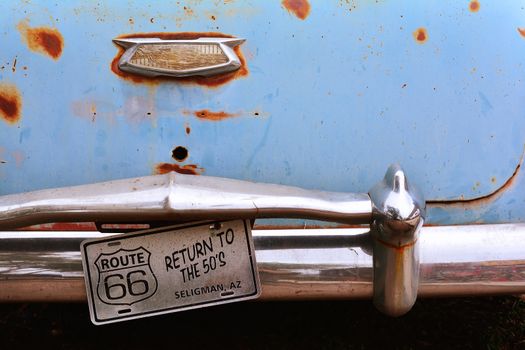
[{"x": 393, "y": 261}]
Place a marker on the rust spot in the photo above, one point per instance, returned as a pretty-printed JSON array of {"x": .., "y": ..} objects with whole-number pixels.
[
  {"x": 398, "y": 248},
  {"x": 212, "y": 81},
  {"x": 482, "y": 200},
  {"x": 188, "y": 169},
  {"x": 188, "y": 11},
  {"x": 188, "y": 130},
  {"x": 213, "y": 116},
  {"x": 10, "y": 103},
  {"x": 44, "y": 40},
  {"x": 474, "y": 6},
  {"x": 420, "y": 35},
  {"x": 300, "y": 8},
  {"x": 213, "y": 17},
  {"x": 521, "y": 31}
]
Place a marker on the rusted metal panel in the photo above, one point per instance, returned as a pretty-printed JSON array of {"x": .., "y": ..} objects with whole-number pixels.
[{"x": 329, "y": 94}]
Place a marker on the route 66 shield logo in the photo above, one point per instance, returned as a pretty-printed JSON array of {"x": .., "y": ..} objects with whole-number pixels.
[{"x": 125, "y": 277}]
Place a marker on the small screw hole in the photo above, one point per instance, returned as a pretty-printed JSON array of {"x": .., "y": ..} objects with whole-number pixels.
[
  {"x": 179, "y": 153},
  {"x": 216, "y": 226}
]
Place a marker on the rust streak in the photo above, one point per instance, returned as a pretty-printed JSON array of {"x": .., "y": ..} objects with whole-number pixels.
[
  {"x": 188, "y": 169},
  {"x": 44, "y": 40},
  {"x": 478, "y": 201},
  {"x": 474, "y": 6},
  {"x": 398, "y": 248},
  {"x": 211, "y": 81},
  {"x": 420, "y": 35},
  {"x": 521, "y": 31},
  {"x": 300, "y": 8},
  {"x": 10, "y": 103},
  {"x": 62, "y": 226},
  {"x": 213, "y": 116}
]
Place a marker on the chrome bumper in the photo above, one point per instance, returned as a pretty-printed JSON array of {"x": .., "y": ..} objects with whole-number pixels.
[
  {"x": 294, "y": 264},
  {"x": 393, "y": 261}
]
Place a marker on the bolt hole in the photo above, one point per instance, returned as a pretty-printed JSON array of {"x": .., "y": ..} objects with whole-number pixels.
[
  {"x": 179, "y": 153},
  {"x": 216, "y": 226}
]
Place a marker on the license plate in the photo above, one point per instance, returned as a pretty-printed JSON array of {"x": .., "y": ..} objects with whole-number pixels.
[{"x": 169, "y": 269}]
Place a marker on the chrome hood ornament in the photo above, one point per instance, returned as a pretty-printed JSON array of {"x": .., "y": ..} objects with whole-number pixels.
[{"x": 179, "y": 58}]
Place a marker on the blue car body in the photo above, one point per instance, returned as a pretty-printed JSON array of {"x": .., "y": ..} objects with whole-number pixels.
[{"x": 331, "y": 94}]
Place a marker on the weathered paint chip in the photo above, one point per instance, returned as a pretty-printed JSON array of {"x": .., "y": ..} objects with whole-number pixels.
[
  {"x": 188, "y": 169},
  {"x": 10, "y": 103},
  {"x": 299, "y": 8},
  {"x": 85, "y": 109},
  {"x": 44, "y": 40},
  {"x": 19, "y": 158},
  {"x": 420, "y": 35}
]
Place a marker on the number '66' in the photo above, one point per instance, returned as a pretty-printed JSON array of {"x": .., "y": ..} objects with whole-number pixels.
[{"x": 117, "y": 286}]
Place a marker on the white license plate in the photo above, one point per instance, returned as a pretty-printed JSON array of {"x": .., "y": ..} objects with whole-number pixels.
[{"x": 169, "y": 269}]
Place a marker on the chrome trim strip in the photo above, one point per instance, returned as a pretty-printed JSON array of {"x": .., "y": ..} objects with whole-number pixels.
[
  {"x": 180, "y": 198},
  {"x": 318, "y": 264}
]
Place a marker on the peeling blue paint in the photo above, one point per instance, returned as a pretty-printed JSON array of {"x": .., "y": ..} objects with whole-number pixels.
[{"x": 340, "y": 97}]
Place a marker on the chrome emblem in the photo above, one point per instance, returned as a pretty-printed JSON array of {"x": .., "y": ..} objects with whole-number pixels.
[{"x": 179, "y": 58}]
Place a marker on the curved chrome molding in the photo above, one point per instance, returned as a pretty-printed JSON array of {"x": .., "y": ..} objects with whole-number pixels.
[
  {"x": 317, "y": 264},
  {"x": 180, "y": 198}
]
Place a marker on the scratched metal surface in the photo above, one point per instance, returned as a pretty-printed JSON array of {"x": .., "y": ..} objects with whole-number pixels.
[{"x": 329, "y": 101}]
